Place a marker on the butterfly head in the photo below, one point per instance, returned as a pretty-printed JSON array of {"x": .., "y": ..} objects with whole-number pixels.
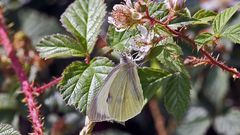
[{"x": 126, "y": 58}]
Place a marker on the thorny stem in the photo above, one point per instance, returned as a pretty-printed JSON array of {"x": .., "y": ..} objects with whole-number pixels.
[
  {"x": 48, "y": 85},
  {"x": 212, "y": 60},
  {"x": 191, "y": 60},
  {"x": 26, "y": 87}
]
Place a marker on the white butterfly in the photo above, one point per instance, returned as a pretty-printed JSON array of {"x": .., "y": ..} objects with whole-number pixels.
[{"x": 121, "y": 96}]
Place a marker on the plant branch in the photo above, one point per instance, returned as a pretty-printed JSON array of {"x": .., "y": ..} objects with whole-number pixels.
[
  {"x": 194, "y": 61},
  {"x": 87, "y": 59},
  {"x": 212, "y": 60},
  {"x": 157, "y": 117},
  {"x": 48, "y": 85},
  {"x": 26, "y": 87}
]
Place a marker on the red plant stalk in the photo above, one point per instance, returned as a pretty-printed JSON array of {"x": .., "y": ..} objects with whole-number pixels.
[
  {"x": 48, "y": 85},
  {"x": 157, "y": 117},
  {"x": 26, "y": 87},
  {"x": 212, "y": 60}
]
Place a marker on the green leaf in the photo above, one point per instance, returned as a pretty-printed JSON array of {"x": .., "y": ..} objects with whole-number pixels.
[
  {"x": 161, "y": 30},
  {"x": 157, "y": 10},
  {"x": 229, "y": 123},
  {"x": 233, "y": 33},
  {"x": 81, "y": 81},
  {"x": 60, "y": 46},
  {"x": 155, "y": 51},
  {"x": 151, "y": 80},
  {"x": 84, "y": 19},
  {"x": 177, "y": 94},
  {"x": 203, "y": 39},
  {"x": 204, "y": 16},
  {"x": 119, "y": 40},
  {"x": 170, "y": 59},
  {"x": 185, "y": 12},
  {"x": 6, "y": 129},
  {"x": 196, "y": 122},
  {"x": 184, "y": 19},
  {"x": 222, "y": 19}
]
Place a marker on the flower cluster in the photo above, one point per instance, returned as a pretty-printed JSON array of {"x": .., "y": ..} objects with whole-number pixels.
[
  {"x": 141, "y": 43},
  {"x": 124, "y": 16}
]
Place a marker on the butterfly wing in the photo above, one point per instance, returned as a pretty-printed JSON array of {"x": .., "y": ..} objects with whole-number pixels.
[
  {"x": 98, "y": 107},
  {"x": 125, "y": 94},
  {"x": 121, "y": 96}
]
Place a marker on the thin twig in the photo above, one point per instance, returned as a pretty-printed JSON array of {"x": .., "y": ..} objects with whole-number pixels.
[
  {"x": 157, "y": 117},
  {"x": 48, "y": 85},
  {"x": 26, "y": 87},
  {"x": 213, "y": 61},
  {"x": 87, "y": 59}
]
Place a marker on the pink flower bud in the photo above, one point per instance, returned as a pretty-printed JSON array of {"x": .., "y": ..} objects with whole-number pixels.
[{"x": 175, "y": 4}]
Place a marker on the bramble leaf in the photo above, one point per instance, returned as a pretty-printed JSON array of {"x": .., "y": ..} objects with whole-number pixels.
[
  {"x": 60, "y": 46},
  {"x": 170, "y": 58},
  {"x": 6, "y": 129},
  {"x": 151, "y": 80},
  {"x": 177, "y": 94},
  {"x": 81, "y": 81},
  {"x": 176, "y": 86},
  {"x": 119, "y": 40},
  {"x": 84, "y": 19},
  {"x": 233, "y": 33},
  {"x": 204, "y": 16},
  {"x": 222, "y": 19},
  {"x": 157, "y": 10},
  {"x": 184, "y": 19},
  {"x": 203, "y": 39}
]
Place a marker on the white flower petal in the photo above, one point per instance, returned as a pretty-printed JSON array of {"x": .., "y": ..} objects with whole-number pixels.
[
  {"x": 129, "y": 3},
  {"x": 119, "y": 6},
  {"x": 132, "y": 42},
  {"x": 111, "y": 20},
  {"x": 143, "y": 30}
]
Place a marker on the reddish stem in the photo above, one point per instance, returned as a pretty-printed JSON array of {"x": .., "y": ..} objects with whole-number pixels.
[
  {"x": 48, "y": 85},
  {"x": 157, "y": 117},
  {"x": 26, "y": 87},
  {"x": 87, "y": 59},
  {"x": 193, "y": 44},
  {"x": 191, "y": 60}
]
